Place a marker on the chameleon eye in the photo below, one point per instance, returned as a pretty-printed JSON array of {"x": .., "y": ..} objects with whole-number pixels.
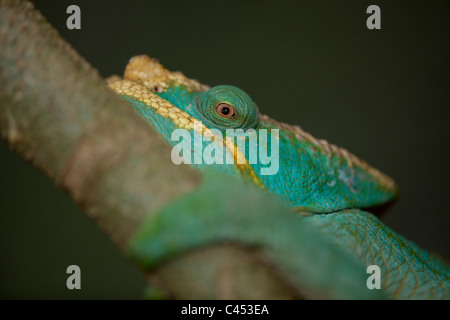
[
  {"x": 225, "y": 110},
  {"x": 226, "y": 107}
]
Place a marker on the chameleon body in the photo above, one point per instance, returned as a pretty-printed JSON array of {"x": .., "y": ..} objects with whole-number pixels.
[{"x": 323, "y": 182}]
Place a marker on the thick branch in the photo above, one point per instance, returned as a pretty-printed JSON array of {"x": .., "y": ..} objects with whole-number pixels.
[{"x": 56, "y": 111}]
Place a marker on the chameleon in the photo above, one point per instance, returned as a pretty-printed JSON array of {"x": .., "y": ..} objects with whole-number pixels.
[{"x": 326, "y": 185}]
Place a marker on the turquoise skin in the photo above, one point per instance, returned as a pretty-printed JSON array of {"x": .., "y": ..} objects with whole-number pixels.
[
  {"x": 308, "y": 178},
  {"x": 326, "y": 255},
  {"x": 313, "y": 177}
]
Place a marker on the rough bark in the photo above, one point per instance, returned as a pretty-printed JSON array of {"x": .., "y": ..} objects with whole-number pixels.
[{"x": 56, "y": 111}]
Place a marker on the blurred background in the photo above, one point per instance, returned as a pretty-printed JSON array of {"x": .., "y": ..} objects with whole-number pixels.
[{"x": 382, "y": 94}]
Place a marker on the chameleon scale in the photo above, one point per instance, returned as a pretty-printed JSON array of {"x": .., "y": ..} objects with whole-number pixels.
[{"x": 314, "y": 177}]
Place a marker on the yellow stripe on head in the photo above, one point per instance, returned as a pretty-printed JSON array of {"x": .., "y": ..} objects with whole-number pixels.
[{"x": 181, "y": 119}]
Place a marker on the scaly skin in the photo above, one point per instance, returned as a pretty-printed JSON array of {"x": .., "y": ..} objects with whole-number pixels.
[{"x": 314, "y": 176}]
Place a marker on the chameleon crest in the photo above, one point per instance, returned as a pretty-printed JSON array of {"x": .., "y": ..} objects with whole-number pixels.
[{"x": 313, "y": 174}]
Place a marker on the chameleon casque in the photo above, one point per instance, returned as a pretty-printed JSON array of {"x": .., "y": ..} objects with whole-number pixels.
[{"x": 324, "y": 183}]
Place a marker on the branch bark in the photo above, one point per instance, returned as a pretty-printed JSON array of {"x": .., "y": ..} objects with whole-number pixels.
[{"x": 56, "y": 111}]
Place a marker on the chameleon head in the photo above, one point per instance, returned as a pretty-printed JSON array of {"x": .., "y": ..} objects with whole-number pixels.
[{"x": 313, "y": 174}]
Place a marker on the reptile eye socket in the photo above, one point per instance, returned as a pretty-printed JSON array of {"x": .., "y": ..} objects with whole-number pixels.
[
  {"x": 226, "y": 107},
  {"x": 225, "y": 110}
]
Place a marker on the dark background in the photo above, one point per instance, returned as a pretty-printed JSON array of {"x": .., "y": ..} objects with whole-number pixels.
[{"x": 382, "y": 94}]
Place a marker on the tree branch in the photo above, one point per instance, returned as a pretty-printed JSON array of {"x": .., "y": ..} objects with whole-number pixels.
[{"x": 57, "y": 112}]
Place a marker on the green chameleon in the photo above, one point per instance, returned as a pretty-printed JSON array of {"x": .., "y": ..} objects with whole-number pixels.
[{"x": 325, "y": 184}]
